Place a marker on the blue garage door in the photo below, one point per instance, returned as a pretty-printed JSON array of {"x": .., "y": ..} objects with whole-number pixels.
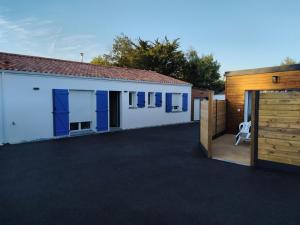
[
  {"x": 102, "y": 110},
  {"x": 60, "y": 112}
]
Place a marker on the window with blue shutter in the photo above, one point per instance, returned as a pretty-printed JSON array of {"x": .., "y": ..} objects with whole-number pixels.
[
  {"x": 168, "y": 102},
  {"x": 158, "y": 99},
  {"x": 141, "y": 99},
  {"x": 60, "y": 112},
  {"x": 102, "y": 110},
  {"x": 184, "y": 102}
]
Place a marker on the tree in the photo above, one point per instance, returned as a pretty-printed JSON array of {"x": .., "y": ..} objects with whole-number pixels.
[
  {"x": 165, "y": 57},
  {"x": 160, "y": 56},
  {"x": 288, "y": 61},
  {"x": 101, "y": 60},
  {"x": 203, "y": 71}
]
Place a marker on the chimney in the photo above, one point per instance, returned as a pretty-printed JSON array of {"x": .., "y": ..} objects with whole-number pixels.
[{"x": 81, "y": 54}]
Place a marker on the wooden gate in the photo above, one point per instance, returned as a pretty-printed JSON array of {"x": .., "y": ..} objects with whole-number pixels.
[
  {"x": 278, "y": 130},
  {"x": 206, "y": 109}
]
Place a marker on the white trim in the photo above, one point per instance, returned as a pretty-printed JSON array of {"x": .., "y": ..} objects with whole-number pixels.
[
  {"x": 247, "y": 98},
  {"x": 246, "y": 106},
  {"x": 86, "y": 77}
]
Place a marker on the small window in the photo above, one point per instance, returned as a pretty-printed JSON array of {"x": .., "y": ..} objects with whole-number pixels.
[
  {"x": 151, "y": 99},
  {"x": 176, "y": 102},
  {"x": 74, "y": 126},
  {"x": 132, "y": 99},
  {"x": 85, "y": 125}
]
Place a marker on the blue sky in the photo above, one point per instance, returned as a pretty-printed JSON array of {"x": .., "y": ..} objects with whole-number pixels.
[{"x": 240, "y": 34}]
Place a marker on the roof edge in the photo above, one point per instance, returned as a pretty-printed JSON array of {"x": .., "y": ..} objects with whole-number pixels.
[
  {"x": 273, "y": 69},
  {"x": 186, "y": 84}
]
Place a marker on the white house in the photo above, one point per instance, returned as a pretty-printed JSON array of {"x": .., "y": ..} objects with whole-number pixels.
[{"x": 43, "y": 98}]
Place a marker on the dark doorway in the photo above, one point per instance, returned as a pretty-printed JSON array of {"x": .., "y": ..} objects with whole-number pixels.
[{"x": 114, "y": 108}]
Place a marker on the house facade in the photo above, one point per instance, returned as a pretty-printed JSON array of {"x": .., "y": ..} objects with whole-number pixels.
[
  {"x": 268, "y": 98},
  {"x": 240, "y": 85},
  {"x": 44, "y": 98}
]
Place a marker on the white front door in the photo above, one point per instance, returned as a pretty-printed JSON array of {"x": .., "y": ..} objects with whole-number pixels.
[{"x": 196, "y": 109}]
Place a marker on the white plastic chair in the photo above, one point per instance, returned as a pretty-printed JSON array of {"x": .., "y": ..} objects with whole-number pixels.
[{"x": 244, "y": 132}]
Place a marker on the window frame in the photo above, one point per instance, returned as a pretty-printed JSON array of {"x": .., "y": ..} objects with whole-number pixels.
[
  {"x": 132, "y": 97},
  {"x": 178, "y": 98},
  {"x": 151, "y": 99}
]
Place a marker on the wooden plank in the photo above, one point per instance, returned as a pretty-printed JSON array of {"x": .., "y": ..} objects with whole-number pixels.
[
  {"x": 278, "y": 159},
  {"x": 279, "y": 142},
  {"x": 280, "y": 148},
  {"x": 280, "y": 107},
  {"x": 290, "y": 131},
  {"x": 280, "y": 101},
  {"x": 278, "y": 135},
  {"x": 279, "y": 119},
  {"x": 279, "y": 113},
  {"x": 283, "y": 95},
  {"x": 263, "y": 124}
]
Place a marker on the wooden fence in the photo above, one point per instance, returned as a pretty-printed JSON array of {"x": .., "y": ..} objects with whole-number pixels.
[
  {"x": 219, "y": 117},
  {"x": 212, "y": 121}
]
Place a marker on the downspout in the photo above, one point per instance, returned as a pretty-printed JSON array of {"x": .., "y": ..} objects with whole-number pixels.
[{"x": 1, "y": 109}]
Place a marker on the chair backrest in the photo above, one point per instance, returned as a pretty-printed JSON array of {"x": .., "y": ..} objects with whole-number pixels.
[{"x": 245, "y": 127}]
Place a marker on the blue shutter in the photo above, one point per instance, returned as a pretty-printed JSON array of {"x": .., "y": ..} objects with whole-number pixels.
[
  {"x": 102, "y": 110},
  {"x": 60, "y": 98},
  {"x": 184, "y": 102},
  {"x": 168, "y": 102},
  {"x": 158, "y": 99},
  {"x": 141, "y": 99}
]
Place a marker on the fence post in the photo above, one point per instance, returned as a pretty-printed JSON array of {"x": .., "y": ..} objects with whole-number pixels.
[{"x": 216, "y": 122}]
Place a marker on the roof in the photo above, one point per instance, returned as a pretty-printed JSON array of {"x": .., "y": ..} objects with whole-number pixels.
[
  {"x": 16, "y": 62},
  {"x": 273, "y": 69}
]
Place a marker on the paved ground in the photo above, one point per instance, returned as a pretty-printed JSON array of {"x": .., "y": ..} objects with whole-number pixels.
[{"x": 146, "y": 176}]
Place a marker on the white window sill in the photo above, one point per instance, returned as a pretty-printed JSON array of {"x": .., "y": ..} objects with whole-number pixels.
[
  {"x": 133, "y": 107},
  {"x": 151, "y": 106}
]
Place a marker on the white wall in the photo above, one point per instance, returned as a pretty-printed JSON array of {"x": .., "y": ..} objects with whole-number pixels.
[
  {"x": 28, "y": 112},
  {"x": 219, "y": 97}
]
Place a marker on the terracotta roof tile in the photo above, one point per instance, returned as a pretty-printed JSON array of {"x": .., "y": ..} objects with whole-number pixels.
[{"x": 9, "y": 61}]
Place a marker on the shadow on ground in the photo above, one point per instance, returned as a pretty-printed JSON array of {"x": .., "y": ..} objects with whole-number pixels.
[{"x": 146, "y": 176}]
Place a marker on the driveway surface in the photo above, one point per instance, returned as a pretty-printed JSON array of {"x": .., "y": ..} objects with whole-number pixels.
[{"x": 138, "y": 177}]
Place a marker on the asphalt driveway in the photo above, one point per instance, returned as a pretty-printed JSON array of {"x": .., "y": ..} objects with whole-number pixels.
[{"x": 146, "y": 176}]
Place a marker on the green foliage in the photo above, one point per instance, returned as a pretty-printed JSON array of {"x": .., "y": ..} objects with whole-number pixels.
[
  {"x": 203, "y": 71},
  {"x": 288, "y": 61},
  {"x": 101, "y": 60},
  {"x": 165, "y": 57}
]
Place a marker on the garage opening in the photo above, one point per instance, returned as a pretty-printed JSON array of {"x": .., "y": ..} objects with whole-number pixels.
[
  {"x": 81, "y": 105},
  {"x": 114, "y": 109}
]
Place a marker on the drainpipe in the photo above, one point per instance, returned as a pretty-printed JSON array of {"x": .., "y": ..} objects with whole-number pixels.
[{"x": 1, "y": 109}]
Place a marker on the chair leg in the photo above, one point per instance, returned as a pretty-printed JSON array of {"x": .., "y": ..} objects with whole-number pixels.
[{"x": 238, "y": 141}]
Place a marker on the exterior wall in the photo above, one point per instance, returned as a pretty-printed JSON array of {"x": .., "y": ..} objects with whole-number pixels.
[
  {"x": 28, "y": 112},
  {"x": 197, "y": 93},
  {"x": 236, "y": 85},
  {"x": 279, "y": 127}
]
